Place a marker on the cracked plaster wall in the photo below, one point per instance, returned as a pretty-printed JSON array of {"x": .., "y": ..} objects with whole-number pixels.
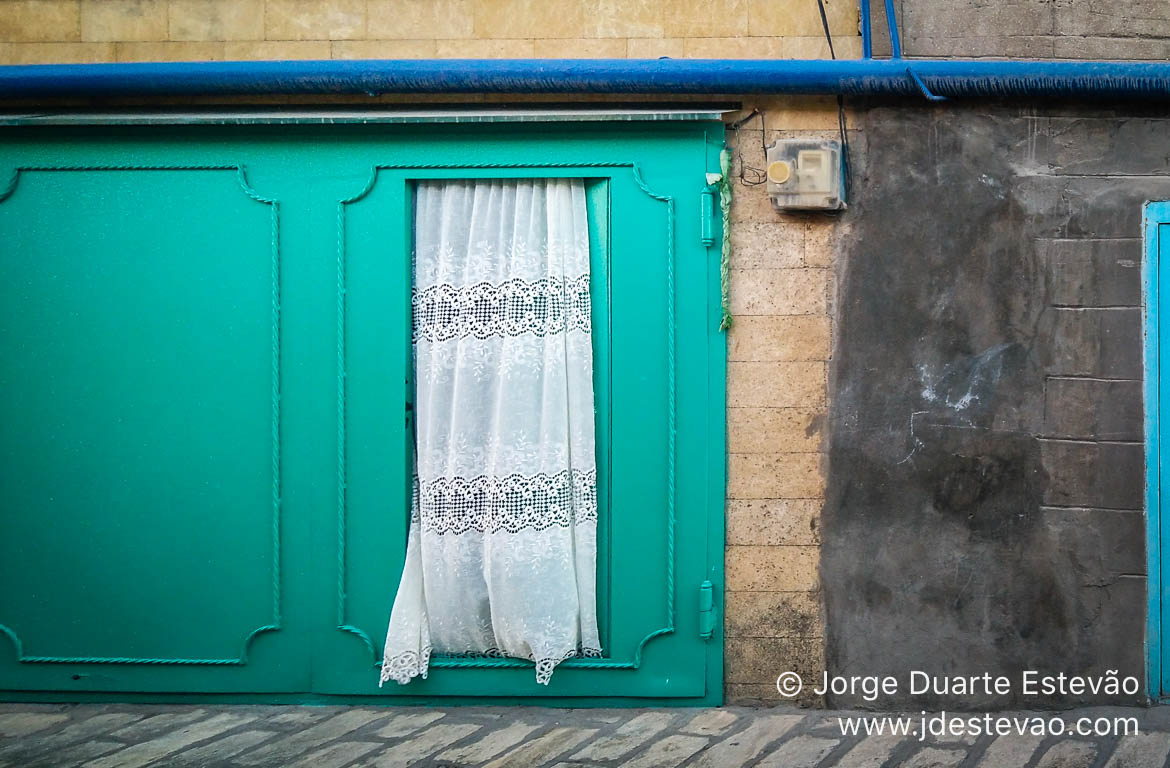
[{"x": 985, "y": 500}]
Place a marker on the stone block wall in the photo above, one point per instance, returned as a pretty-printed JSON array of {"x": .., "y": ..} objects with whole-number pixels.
[
  {"x": 59, "y": 31},
  {"x": 1054, "y": 29},
  {"x": 780, "y": 348},
  {"x": 985, "y": 509}
]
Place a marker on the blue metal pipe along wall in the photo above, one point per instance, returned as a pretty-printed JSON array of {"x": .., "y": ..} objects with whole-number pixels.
[
  {"x": 866, "y": 34},
  {"x": 955, "y": 79}
]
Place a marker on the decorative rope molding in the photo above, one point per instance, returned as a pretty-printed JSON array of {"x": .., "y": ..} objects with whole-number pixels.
[
  {"x": 276, "y": 391},
  {"x": 15, "y": 176},
  {"x": 343, "y": 624},
  {"x": 10, "y": 187},
  {"x": 462, "y": 662},
  {"x": 670, "y": 413},
  {"x": 477, "y": 663},
  {"x": 724, "y": 186},
  {"x": 275, "y": 623}
]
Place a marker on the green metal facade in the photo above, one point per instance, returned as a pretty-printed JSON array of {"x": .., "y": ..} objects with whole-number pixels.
[{"x": 204, "y": 389}]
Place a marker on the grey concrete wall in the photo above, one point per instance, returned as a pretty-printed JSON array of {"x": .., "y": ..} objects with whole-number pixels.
[
  {"x": 984, "y": 509},
  {"x": 1043, "y": 29}
]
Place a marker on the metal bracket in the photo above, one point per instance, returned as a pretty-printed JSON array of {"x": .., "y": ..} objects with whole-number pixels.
[
  {"x": 707, "y": 212},
  {"x": 922, "y": 86},
  {"x": 706, "y": 610}
]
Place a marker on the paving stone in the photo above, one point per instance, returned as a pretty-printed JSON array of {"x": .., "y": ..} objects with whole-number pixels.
[
  {"x": 543, "y": 748},
  {"x": 626, "y": 738},
  {"x": 829, "y": 727},
  {"x": 218, "y": 750},
  {"x": 1140, "y": 751},
  {"x": 144, "y": 729},
  {"x": 710, "y": 723},
  {"x": 75, "y": 755},
  {"x": 422, "y": 745},
  {"x": 405, "y": 724},
  {"x": 482, "y": 713},
  {"x": 87, "y": 728},
  {"x": 799, "y": 752},
  {"x": 283, "y": 750},
  {"x": 745, "y": 745},
  {"x": 668, "y": 752},
  {"x": 931, "y": 757},
  {"x": 299, "y": 716},
  {"x": 490, "y": 745},
  {"x": 129, "y": 736},
  {"x": 146, "y": 752},
  {"x": 336, "y": 755},
  {"x": 19, "y": 724},
  {"x": 871, "y": 752},
  {"x": 1009, "y": 751},
  {"x": 1068, "y": 754}
]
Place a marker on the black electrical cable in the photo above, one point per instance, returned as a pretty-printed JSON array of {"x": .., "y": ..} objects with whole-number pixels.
[
  {"x": 759, "y": 176},
  {"x": 825, "y": 24},
  {"x": 841, "y": 121}
]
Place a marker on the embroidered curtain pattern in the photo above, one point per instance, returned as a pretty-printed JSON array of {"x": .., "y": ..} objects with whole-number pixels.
[{"x": 501, "y": 555}]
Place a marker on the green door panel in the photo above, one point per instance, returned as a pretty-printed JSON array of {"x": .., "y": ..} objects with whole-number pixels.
[
  {"x": 141, "y": 422},
  {"x": 205, "y": 387}
]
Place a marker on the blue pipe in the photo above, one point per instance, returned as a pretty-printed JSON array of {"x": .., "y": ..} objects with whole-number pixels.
[
  {"x": 866, "y": 40},
  {"x": 892, "y": 23},
  {"x": 950, "y": 78}
]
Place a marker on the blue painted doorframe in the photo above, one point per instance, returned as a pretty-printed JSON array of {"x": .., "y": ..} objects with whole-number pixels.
[{"x": 1156, "y": 228}]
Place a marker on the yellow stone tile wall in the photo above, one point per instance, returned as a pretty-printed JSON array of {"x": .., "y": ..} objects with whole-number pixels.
[
  {"x": 780, "y": 348},
  {"x": 782, "y": 268},
  {"x": 65, "y": 31}
]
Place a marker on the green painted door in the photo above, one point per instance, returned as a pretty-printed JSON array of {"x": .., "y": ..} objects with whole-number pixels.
[{"x": 205, "y": 386}]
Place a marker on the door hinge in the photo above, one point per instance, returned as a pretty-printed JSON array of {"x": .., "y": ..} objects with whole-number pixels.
[
  {"x": 707, "y": 211},
  {"x": 706, "y": 610}
]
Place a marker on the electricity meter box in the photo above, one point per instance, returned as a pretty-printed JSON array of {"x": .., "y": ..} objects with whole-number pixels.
[{"x": 805, "y": 175}]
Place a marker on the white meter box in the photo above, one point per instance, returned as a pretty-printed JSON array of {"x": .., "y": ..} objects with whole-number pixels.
[{"x": 805, "y": 175}]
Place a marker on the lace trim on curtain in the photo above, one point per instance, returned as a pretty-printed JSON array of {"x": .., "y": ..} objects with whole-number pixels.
[
  {"x": 514, "y": 503},
  {"x": 404, "y": 666},
  {"x": 512, "y": 308},
  {"x": 407, "y": 665}
]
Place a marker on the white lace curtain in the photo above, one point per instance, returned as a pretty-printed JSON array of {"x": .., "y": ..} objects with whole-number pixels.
[{"x": 501, "y": 558}]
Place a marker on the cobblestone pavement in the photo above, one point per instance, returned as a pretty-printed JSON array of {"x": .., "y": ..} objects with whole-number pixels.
[{"x": 127, "y": 736}]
